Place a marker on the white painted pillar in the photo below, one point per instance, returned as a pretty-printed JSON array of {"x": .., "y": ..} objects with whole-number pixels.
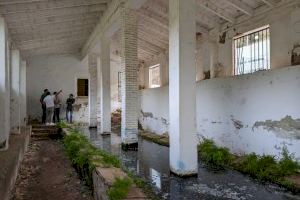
[
  {"x": 99, "y": 88},
  {"x": 105, "y": 89},
  {"x": 23, "y": 96},
  {"x": 182, "y": 102},
  {"x": 129, "y": 54},
  {"x": 15, "y": 107},
  {"x": 4, "y": 88},
  {"x": 92, "y": 65}
]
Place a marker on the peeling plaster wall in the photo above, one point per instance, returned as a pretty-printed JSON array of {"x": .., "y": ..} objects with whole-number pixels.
[
  {"x": 154, "y": 114},
  {"x": 55, "y": 73},
  {"x": 251, "y": 113}
]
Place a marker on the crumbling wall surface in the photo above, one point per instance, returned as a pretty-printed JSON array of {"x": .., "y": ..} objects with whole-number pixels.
[
  {"x": 154, "y": 113},
  {"x": 55, "y": 73},
  {"x": 250, "y": 113}
]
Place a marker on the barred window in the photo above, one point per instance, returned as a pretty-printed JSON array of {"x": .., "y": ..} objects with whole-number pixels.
[
  {"x": 252, "y": 51},
  {"x": 154, "y": 76}
]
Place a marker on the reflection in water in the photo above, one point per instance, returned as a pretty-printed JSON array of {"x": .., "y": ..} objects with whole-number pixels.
[
  {"x": 151, "y": 161},
  {"x": 155, "y": 177}
]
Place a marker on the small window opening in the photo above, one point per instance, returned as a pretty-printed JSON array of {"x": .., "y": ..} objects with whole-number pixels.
[
  {"x": 82, "y": 87},
  {"x": 252, "y": 51},
  {"x": 154, "y": 76}
]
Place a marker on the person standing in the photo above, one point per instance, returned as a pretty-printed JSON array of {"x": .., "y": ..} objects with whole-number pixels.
[
  {"x": 43, "y": 105},
  {"x": 49, "y": 103},
  {"x": 69, "y": 111},
  {"x": 57, "y": 105}
]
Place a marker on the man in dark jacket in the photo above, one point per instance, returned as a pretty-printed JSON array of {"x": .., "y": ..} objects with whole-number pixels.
[
  {"x": 43, "y": 105},
  {"x": 69, "y": 111}
]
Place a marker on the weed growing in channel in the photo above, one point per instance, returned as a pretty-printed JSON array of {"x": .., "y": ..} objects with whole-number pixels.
[
  {"x": 119, "y": 189},
  {"x": 212, "y": 154},
  {"x": 264, "y": 168}
]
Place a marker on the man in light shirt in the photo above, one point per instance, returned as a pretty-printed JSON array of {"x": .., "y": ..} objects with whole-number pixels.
[{"x": 49, "y": 103}]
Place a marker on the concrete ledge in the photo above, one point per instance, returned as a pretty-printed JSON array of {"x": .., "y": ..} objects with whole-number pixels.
[
  {"x": 103, "y": 179},
  {"x": 10, "y": 161}
]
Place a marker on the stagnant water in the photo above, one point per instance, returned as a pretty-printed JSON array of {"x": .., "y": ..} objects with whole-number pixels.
[{"x": 151, "y": 162}]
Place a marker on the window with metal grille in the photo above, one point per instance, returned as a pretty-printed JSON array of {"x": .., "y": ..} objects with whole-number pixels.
[
  {"x": 252, "y": 51},
  {"x": 154, "y": 76},
  {"x": 82, "y": 87}
]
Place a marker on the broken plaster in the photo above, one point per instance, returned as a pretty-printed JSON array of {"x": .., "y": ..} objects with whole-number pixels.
[{"x": 287, "y": 127}]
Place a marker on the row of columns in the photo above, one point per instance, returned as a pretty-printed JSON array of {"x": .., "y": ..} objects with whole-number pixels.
[
  {"x": 100, "y": 94},
  {"x": 12, "y": 89},
  {"x": 182, "y": 86}
]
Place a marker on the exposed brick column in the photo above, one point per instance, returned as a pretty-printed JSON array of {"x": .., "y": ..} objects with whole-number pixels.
[
  {"x": 129, "y": 54},
  {"x": 105, "y": 86},
  {"x": 4, "y": 87},
  {"x": 92, "y": 65},
  {"x": 182, "y": 87},
  {"x": 15, "y": 106}
]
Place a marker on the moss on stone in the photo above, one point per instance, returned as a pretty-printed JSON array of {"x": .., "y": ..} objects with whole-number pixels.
[{"x": 158, "y": 139}]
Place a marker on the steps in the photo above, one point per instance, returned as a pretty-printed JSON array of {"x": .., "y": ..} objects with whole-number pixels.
[{"x": 43, "y": 132}]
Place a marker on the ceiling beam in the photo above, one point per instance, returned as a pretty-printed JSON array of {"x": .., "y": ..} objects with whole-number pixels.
[
  {"x": 269, "y": 3},
  {"x": 55, "y": 12},
  {"x": 55, "y": 27},
  {"x": 241, "y": 6},
  {"x": 74, "y": 19},
  {"x": 216, "y": 10},
  {"x": 16, "y": 2},
  {"x": 50, "y": 43},
  {"x": 62, "y": 4},
  {"x": 53, "y": 33}
]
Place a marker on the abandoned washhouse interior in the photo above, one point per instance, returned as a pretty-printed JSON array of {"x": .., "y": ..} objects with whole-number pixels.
[{"x": 149, "y": 99}]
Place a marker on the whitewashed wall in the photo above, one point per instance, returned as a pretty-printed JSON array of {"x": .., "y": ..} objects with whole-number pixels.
[
  {"x": 234, "y": 111},
  {"x": 55, "y": 73}
]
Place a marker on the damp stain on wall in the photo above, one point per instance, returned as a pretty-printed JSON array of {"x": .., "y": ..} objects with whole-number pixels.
[{"x": 287, "y": 127}]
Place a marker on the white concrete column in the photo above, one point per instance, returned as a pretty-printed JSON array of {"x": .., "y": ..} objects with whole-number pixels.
[
  {"x": 105, "y": 89},
  {"x": 15, "y": 107},
  {"x": 129, "y": 54},
  {"x": 23, "y": 96},
  {"x": 99, "y": 88},
  {"x": 92, "y": 65},
  {"x": 182, "y": 87},
  {"x": 4, "y": 87}
]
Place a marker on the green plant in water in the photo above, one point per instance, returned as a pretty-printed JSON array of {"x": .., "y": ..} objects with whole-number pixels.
[
  {"x": 119, "y": 189},
  {"x": 288, "y": 164},
  {"x": 210, "y": 153}
]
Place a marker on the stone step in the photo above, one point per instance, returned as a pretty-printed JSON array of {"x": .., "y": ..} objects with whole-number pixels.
[{"x": 39, "y": 130}]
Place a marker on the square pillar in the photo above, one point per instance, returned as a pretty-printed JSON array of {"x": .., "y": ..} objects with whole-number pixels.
[
  {"x": 23, "y": 96},
  {"x": 182, "y": 87},
  {"x": 105, "y": 87},
  {"x": 15, "y": 106},
  {"x": 92, "y": 65},
  {"x": 4, "y": 87},
  {"x": 129, "y": 81}
]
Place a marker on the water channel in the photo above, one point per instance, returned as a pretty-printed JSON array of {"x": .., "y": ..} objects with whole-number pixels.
[{"x": 151, "y": 162}]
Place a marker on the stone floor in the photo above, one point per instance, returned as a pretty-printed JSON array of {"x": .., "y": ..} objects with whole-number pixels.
[{"x": 47, "y": 174}]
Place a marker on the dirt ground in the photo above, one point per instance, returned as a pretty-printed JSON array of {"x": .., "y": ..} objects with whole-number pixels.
[{"x": 47, "y": 174}]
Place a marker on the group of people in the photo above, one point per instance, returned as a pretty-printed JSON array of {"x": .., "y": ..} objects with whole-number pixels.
[{"x": 51, "y": 105}]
